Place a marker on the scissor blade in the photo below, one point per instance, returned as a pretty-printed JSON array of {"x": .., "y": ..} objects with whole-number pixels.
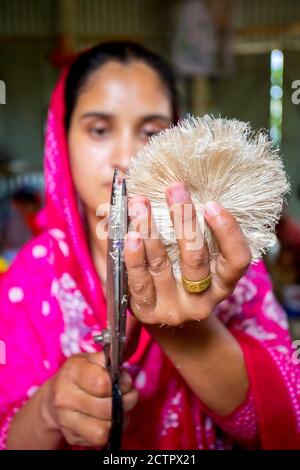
[{"x": 116, "y": 281}]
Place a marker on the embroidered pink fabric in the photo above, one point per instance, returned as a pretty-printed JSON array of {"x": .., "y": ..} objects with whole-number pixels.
[{"x": 50, "y": 310}]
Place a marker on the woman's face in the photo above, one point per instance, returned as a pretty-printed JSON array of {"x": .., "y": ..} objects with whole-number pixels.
[{"x": 119, "y": 108}]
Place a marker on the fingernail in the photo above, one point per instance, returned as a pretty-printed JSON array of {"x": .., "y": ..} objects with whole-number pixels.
[
  {"x": 133, "y": 240},
  {"x": 212, "y": 208},
  {"x": 178, "y": 192},
  {"x": 138, "y": 209}
]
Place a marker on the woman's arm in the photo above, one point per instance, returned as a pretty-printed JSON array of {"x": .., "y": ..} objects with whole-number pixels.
[
  {"x": 32, "y": 426},
  {"x": 209, "y": 359}
]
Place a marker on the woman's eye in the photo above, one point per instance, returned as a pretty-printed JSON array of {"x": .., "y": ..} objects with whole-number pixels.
[
  {"x": 98, "y": 131},
  {"x": 149, "y": 133}
]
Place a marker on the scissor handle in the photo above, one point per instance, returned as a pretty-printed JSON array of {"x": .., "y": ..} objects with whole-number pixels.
[
  {"x": 116, "y": 430},
  {"x": 115, "y": 437}
]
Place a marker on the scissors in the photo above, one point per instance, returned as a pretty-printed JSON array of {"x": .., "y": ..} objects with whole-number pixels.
[{"x": 113, "y": 337}]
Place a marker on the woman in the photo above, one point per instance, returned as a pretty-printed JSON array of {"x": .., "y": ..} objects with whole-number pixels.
[{"x": 221, "y": 382}]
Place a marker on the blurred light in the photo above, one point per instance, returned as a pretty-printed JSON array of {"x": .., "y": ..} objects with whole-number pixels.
[
  {"x": 276, "y": 59},
  {"x": 276, "y": 95},
  {"x": 276, "y": 92},
  {"x": 276, "y": 108},
  {"x": 274, "y": 134}
]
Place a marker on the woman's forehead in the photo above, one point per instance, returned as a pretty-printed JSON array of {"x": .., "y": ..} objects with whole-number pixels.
[{"x": 116, "y": 85}]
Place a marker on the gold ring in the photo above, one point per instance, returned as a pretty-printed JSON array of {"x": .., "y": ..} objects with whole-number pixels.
[{"x": 196, "y": 286}]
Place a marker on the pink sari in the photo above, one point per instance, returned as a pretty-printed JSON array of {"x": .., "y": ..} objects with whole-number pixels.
[{"x": 52, "y": 304}]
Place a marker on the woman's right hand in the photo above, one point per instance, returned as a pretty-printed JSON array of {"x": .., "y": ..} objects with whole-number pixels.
[{"x": 79, "y": 400}]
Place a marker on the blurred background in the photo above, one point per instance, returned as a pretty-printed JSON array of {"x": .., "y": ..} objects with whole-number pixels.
[{"x": 234, "y": 58}]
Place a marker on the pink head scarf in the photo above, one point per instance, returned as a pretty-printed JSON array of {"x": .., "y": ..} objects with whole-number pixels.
[{"x": 61, "y": 208}]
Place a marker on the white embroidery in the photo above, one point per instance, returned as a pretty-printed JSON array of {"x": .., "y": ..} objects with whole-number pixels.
[
  {"x": 64, "y": 248},
  {"x": 31, "y": 391},
  {"x": 177, "y": 399},
  {"x": 39, "y": 251},
  {"x": 273, "y": 311},
  {"x": 54, "y": 287},
  {"x": 140, "y": 380},
  {"x": 67, "y": 282},
  {"x": 57, "y": 233},
  {"x": 291, "y": 377},
  {"x": 15, "y": 294},
  {"x": 171, "y": 420},
  {"x": 208, "y": 426},
  {"x": 45, "y": 308},
  {"x": 282, "y": 349},
  {"x": 251, "y": 327},
  {"x": 73, "y": 307},
  {"x": 244, "y": 291},
  {"x": 171, "y": 416}
]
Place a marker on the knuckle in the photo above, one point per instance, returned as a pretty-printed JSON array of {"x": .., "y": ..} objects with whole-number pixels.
[
  {"x": 136, "y": 270},
  {"x": 143, "y": 226},
  {"x": 72, "y": 367},
  {"x": 95, "y": 384},
  {"x": 99, "y": 384},
  {"x": 242, "y": 261},
  {"x": 196, "y": 258},
  {"x": 174, "y": 322},
  {"x": 137, "y": 288},
  {"x": 63, "y": 419},
  {"x": 159, "y": 264},
  {"x": 230, "y": 228},
  {"x": 60, "y": 398},
  {"x": 173, "y": 319}
]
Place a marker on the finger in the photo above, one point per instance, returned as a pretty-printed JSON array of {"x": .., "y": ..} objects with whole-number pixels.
[
  {"x": 159, "y": 265},
  {"x": 141, "y": 288},
  {"x": 235, "y": 251},
  {"x": 97, "y": 358},
  {"x": 194, "y": 256},
  {"x": 140, "y": 283},
  {"x": 82, "y": 428},
  {"x": 81, "y": 402},
  {"x": 92, "y": 378},
  {"x": 130, "y": 400},
  {"x": 125, "y": 382}
]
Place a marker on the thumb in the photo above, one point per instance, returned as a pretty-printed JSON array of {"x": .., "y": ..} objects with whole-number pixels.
[{"x": 98, "y": 358}]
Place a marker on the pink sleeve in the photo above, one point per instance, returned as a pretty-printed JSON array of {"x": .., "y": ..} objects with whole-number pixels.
[
  {"x": 25, "y": 363},
  {"x": 253, "y": 312},
  {"x": 6, "y": 420},
  {"x": 241, "y": 425}
]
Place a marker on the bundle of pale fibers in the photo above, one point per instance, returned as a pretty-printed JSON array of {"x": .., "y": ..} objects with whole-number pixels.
[{"x": 218, "y": 160}]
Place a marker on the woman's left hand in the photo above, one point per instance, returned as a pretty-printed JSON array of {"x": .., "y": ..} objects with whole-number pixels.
[{"x": 155, "y": 295}]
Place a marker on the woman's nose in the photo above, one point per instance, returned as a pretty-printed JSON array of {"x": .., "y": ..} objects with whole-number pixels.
[{"x": 123, "y": 154}]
